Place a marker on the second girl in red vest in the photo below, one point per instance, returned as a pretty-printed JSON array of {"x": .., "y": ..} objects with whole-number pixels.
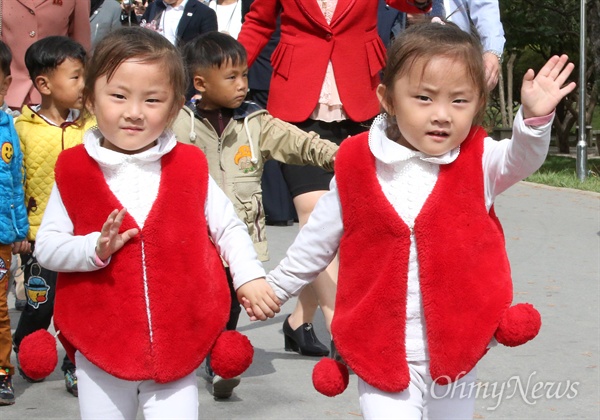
[
  {"x": 141, "y": 295},
  {"x": 424, "y": 283}
]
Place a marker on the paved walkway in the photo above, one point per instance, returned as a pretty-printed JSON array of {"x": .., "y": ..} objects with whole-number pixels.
[{"x": 553, "y": 238}]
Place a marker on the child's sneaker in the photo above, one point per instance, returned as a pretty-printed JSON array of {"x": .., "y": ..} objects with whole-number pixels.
[
  {"x": 7, "y": 393},
  {"x": 223, "y": 388},
  {"x": 71, "y": 381}
]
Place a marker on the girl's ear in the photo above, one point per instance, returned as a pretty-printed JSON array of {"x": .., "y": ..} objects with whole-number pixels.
[
  {"x": 383, "y": 99},
  {"x": 199, "y": 83}
]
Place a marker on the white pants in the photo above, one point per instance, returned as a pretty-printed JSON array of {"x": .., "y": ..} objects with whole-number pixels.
[
  {"x": 423, "y": 399},
  {"x": 103, "y": 396}
]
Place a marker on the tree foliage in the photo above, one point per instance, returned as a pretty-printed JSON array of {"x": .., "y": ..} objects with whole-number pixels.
[{"x": 537, "y": 30}]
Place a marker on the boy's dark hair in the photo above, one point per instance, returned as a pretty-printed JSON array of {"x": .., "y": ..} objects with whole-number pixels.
[
  {"x": 213, "y": 49},
  {"x": 5, "y": 59},
  {"x": 45, "y": 55}
]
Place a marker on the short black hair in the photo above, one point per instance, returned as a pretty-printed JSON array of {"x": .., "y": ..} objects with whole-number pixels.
[
  {"x": 213, "y": 49},
  {"x": 45, "y": 55},
  {"x": 5, "y": 59}
]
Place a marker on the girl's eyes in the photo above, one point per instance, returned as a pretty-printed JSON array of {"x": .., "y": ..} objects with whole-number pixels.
[
  {"x": 427, "y": 99},
  {"x": 122, "y": 97}
]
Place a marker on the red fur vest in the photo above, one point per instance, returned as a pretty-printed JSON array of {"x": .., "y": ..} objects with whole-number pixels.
[
  {"x": 104, "y": 313},
  {"x": 464, "y": 271}
]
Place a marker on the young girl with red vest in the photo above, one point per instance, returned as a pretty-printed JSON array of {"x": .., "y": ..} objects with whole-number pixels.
[
  {"x": 424, "y": 283},
  {"x": 137, "y": 228}
]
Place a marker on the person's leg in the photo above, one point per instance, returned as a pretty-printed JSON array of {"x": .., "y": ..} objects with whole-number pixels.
[
  {"x": 173, "y": 400},
  {"x": 307, "y": 184},
  {"x": 236, "y": 308},
  {"x": 16, "y": 275},
  {"x": 299, "y": 335},
  {"x": 221, "y": 387},
  {"x": 322, "y": 291},
  {"x": 7, "y": 394},
  {"x": 103, "y": 396},
  {"x": 40, "y": 287},
  {"x": 454, "y": 401},
  {"x": 5, "y": 337},
  {"x": 406, "y": 405},
  {"x": 70, "y": 374},
  {"x": 277, "y": 201}
]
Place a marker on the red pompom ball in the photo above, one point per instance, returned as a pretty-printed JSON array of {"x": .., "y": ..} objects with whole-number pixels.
[
  {"x": 37, "y": 354},
  {"x": 519, "y": 324},
  {"x": 231, "y": 355},
  {"x": 330, "y": 377}
]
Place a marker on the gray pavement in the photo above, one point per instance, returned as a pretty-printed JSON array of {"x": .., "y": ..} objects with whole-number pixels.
[{"x": 553, "y": 239}]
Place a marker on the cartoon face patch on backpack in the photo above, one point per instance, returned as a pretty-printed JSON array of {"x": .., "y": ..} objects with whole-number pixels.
[{"x": 36, "y": 290}]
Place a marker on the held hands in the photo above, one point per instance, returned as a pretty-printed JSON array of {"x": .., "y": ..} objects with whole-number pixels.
[
  {"x": 110, "y": 240},
  {"x": 541, "y": 94},
  {"x": 258, "y": 299},
  {"x": 21, "y": 247}
]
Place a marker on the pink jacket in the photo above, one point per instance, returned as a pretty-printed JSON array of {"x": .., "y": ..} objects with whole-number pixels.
[{"x": 26, "y": 21}]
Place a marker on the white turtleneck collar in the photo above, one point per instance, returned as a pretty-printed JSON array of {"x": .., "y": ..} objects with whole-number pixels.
[{"x": 106, "y": 157}]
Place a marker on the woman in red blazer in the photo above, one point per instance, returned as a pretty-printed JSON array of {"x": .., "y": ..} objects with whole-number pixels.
[
  {"x": 308, "y": 43},
  {"x": 336, "y": 104}
]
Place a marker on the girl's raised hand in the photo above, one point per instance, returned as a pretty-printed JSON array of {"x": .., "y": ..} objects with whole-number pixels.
[
  {"x": 110, "y": 240},
  {"x": 541, "y": 94}
]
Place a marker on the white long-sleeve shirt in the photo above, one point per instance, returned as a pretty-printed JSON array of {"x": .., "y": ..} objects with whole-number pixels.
[
  {"x": 134, "y": 179},
  {"x": 407, "y": 177}
]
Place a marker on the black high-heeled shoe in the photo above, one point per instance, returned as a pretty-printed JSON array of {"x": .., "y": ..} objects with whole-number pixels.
[{"x": 303, "y": 340}]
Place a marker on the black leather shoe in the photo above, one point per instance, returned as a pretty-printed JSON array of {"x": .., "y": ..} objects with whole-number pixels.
[{"x": 303, "y": 340}]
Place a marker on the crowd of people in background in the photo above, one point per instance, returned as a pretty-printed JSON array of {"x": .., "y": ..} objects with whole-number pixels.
[{"x": 274, "y": 89}]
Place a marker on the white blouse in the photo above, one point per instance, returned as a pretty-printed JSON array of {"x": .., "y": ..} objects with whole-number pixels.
[{"x": 229, "y": 17}]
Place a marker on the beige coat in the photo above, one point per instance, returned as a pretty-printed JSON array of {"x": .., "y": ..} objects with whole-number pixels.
[{"x": 236, "y": 159}]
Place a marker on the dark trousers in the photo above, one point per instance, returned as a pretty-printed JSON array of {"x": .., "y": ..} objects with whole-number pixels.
[
  {"x": 235, "y": 309},
  {"x": 40, "y": 289}
]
